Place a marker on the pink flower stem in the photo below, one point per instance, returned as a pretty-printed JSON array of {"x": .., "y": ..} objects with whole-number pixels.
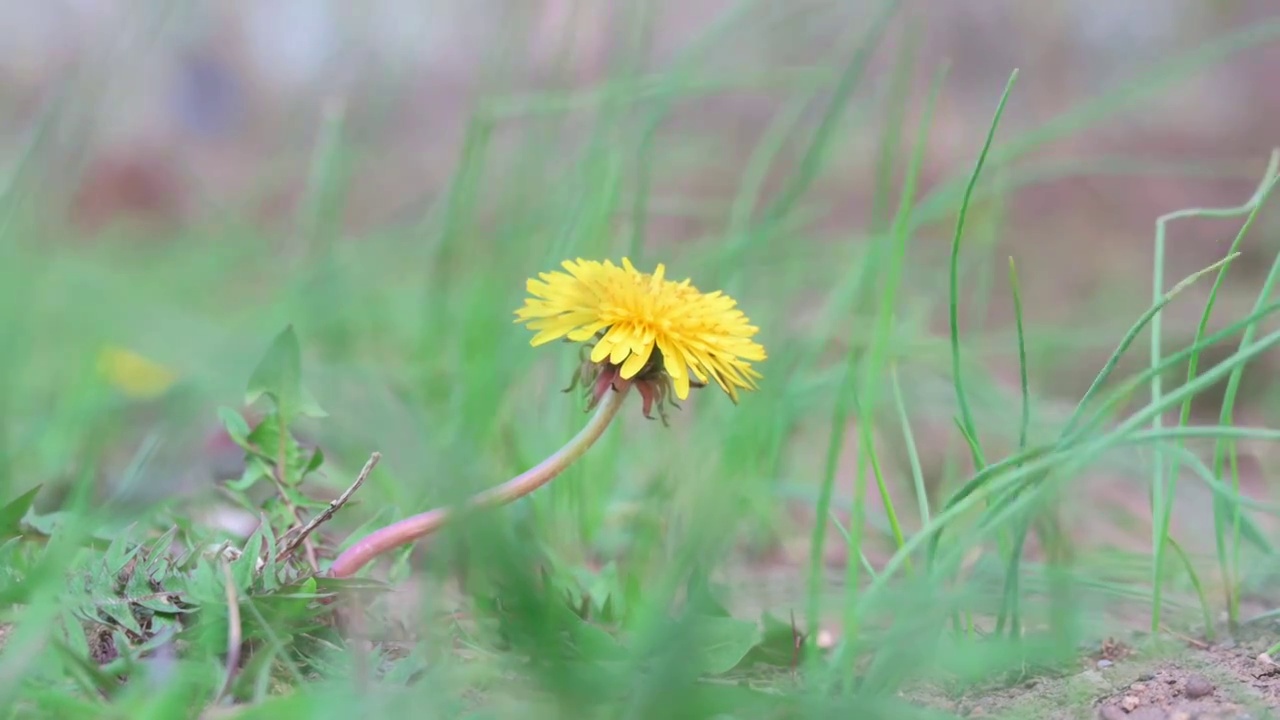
[{"x": 419, "y": 526}]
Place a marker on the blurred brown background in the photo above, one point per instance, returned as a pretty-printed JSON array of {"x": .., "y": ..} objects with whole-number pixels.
[{"x": 222, "y": 96}]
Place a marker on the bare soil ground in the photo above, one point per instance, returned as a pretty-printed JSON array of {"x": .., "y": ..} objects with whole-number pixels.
[{"x": 1221, "y": 682}]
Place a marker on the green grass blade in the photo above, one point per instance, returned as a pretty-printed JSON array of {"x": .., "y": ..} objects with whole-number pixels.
[
  {"x": 1136, "y": 329},
  {"x": 1162, "y": 488},
  {"x": 909, "y": 441},
  {"x": 1010, "y": 608},
  {"x": 966, "y": 414},
  {"x": 815, "y": 154}
]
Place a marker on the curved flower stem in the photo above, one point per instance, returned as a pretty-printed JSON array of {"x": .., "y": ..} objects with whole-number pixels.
[{"x": 418, "y": 526}]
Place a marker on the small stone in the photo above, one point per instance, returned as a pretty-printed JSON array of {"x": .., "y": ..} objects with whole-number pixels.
[
  {"x": 1130, "y": 703},
  {"x": 1198, "y": 686},
  {"x": 1138, "y": 687},
  {"x": 1104, "y": 664},
  {"x": 1147, "y": 677},
  {"x": 1179, "y": 715}
]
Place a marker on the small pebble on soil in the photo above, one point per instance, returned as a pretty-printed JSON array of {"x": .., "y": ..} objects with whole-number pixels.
[{"x": 1198, "y": 686}]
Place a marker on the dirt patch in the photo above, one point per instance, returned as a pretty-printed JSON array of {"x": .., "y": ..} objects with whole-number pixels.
[
  {"x": 1213, "y": 684},
  {"x": 1225, "y": 682}
]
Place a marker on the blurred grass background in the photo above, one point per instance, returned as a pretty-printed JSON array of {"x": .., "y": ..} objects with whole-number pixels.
[{"x": 186, "y": 179}]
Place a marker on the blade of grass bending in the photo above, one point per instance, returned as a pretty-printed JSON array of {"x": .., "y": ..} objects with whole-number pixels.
[
  {"x": 459, "y": 199},
  {"x": 1011, "y": 601},
  {"x": 1067, "y": 458},
  {"x": 909, "y": 440},
  {"x": 1024, "y": 384},
  {"x": 867, "y": 445},
  {"x": 1214, "y": 374},
  {"x": 839, "y": 418},
  {"x": 1251, "y": 532},
  {"x": 888, "y": 301},
  {"x": 881, "y": 350},
  {"x": 900, "y": 83},
  {"x": 756, "y": 172},
  {"x": 970, "y": 441},
  {"x": 1252, "y": 208},
  {"x": 318, "y": 226},
  {"x": 1130, "y": 385},
  {"x": 1110, "y": 365},
  {"x": 996, "y": 478},
  {"x": 1213, "y": 432},
  {"x": 816, "y": 152},
  {"x": 1195, "y": 583},
  {"x": 966, "y": 414},
  {"x": 741, "y": 235},
  {"x": 1002, "y": 474},
  {"x": 901, "y": 228},
  {"x": 1164, "y": 484},
  {"x": 1223, "y": 493},
  {"x": 846, "y": 398},
  {"x": 1129, "y": 430},
  {"x": 810, "y": 164},
  {"x": 848, "y": 539},
  {"x": 984, "y": 476},
  {"x": 1226, "y": 449},
  {"x": 1076, "y": 432},
  {"x": 1078, "y": 437},
  {"x": 319, "y": 217}
]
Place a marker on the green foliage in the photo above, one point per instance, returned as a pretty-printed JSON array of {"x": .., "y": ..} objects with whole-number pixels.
[
  {"x": 14, "y": 511},
  {"x": 275, "y": 456},
  {"x": 620, "y": 590}
]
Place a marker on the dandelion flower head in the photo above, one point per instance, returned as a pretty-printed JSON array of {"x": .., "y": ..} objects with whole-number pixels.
[{"x": 644, "y": 327}]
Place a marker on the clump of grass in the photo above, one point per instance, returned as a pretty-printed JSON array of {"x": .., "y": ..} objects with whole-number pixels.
[{"x": 1163, "y": 482}]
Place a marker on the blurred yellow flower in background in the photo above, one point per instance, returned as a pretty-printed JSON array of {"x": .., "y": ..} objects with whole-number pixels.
[
  {"x": 645, "y": 327},
  {"x": 134, "y": 375}
]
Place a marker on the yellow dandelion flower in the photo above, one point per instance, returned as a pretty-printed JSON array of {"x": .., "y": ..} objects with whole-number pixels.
[
  {"x": 645, "y": 328},
  {"x": 134, "y": 375}
]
